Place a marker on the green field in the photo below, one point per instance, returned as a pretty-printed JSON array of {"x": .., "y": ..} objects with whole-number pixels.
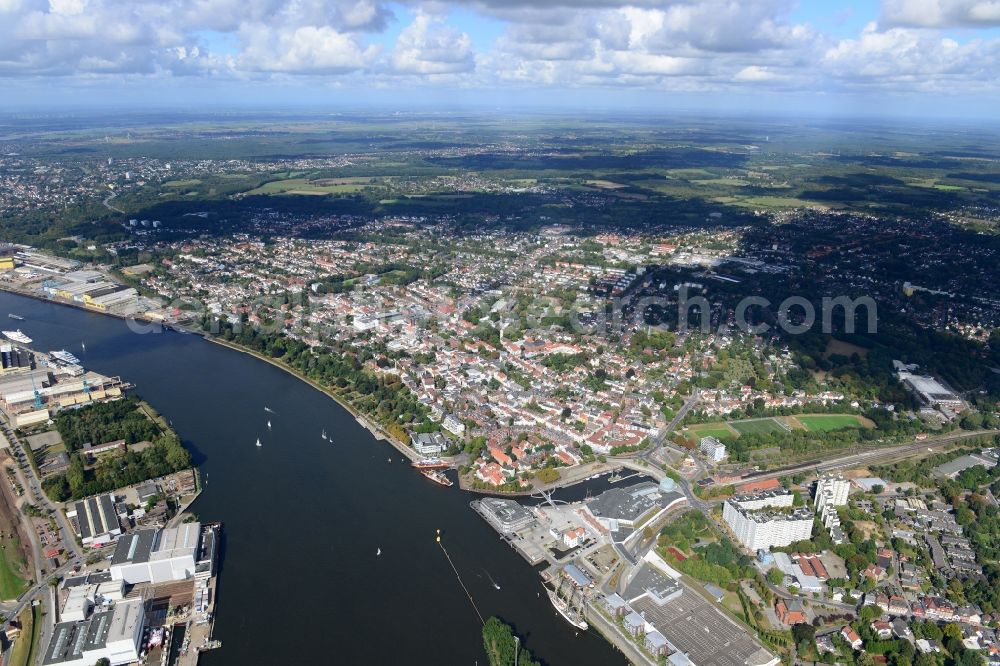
[
  {"x": 717, "y": 430},
  {"x": 758, "y": 426},
  {"x": 306, "y": 186},
  {"x": 11, "y": 583},
  {"x": 827, "y": 422},
  {"x": 23, "y": 651}
]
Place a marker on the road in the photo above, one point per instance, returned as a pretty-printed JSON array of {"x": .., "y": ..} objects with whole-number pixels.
[
  {"x": 107, "y": 203},
  {"x": 41, "y": 589},
  {"x": 38, "y": 497}
]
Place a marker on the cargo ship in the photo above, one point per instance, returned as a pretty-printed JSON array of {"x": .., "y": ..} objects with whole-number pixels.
[
  {"x": 437, "y": 477},
  {"x": 18, "y": 336},
  {"x": 430, "y": 463}
]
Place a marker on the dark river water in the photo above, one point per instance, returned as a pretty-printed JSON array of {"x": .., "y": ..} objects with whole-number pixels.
[{"x": 303, "y": 518}]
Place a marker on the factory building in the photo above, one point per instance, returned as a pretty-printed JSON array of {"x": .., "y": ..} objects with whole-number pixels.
[
  {"x": 624, "y": 508},
  {"x": 113, "y": 633},
  {"x": 96, "y": 520},
  {"x": 157, "y": 556}
]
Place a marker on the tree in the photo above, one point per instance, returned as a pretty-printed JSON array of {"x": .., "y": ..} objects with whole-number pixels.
[
  {"x": 775, "y": 576},
  {"x": 803, "y": 632}
]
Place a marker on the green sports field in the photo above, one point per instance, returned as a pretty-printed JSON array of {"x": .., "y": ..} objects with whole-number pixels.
[
  {"x": 757, "y": 426},
  {"x": 718, "y": 430},
  {"x": 827, "y": 422}
]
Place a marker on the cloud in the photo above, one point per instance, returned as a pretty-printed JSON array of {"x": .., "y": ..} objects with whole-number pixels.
[
  {"x": 656, "y": 45},
  {"x": 941, "y": 13},
  {"x": 913, "y": 59},
  {"x": 429, "y": 46},
  {"x": 304, "y": 50}
]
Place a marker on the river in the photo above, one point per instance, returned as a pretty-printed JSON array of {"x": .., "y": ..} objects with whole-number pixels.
[{"x": 300, "y": 580}]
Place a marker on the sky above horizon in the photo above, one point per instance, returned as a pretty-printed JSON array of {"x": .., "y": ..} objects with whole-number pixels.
[{"x": 862, "y": 57}]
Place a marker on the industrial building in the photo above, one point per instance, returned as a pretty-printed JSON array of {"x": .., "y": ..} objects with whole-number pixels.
[
  {"x": 113, "y": 633},
  {"x": 930, "y": 391},
  {"x": 96, "y": 520},
  {"x": 765, "y": 520},
  {"x": 157, "y": 556},
  {"x": 505, "y": 515},
  {"x": 679, "y": 625},
  {"x": 624, "y": 508}
]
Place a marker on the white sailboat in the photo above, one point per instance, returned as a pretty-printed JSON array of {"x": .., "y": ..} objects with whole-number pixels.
[
  {"x": 378, "y": 552},
  {"x": 324, "y": 434},
  {"x": 269, "y": 425},
  {"x": 258, "y": 441}
]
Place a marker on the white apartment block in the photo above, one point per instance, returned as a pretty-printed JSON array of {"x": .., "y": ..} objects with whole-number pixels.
[
  {"x": 713, "y": 449},
  {"x": 831, "y": 490},
  {"x": 766, "y": 520}
]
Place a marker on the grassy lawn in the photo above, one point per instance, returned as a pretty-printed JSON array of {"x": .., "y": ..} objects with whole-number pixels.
[
  {"x": 23, "y": 651},
  {"x": 717, "y": 430},
  {"x": 759, "y": 426},
  {"x": 304, "y": 186},
  {"x": 11, "y": 563},
  {"x": 827, "y": 422}
]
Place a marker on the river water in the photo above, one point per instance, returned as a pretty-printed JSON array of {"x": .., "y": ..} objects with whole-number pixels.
[{"x": 303, "y": 518}]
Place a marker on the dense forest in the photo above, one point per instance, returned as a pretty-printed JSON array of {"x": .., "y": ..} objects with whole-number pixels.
[
  {"x": 99, "y": 423},
  {"x": 500, "y": 646},
  {"x": 103, "y": 422}
]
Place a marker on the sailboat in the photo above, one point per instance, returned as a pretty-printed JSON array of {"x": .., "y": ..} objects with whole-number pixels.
[
  {"x": 83, "y": 345},
  {"x": 269, "y": 425},
  {"x": 258, "y": 441},
  {"x": 324, "y": 434},
  {"x": 378, "y": 552}
]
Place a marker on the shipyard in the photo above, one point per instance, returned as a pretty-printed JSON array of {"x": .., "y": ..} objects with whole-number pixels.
[{"x": 119, "y": 569}]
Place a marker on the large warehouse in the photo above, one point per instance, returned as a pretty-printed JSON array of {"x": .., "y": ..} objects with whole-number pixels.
[
  {"x": 96, "y": 521},
  {"x": 113, "y": 634},
  {"x": 156, "y": 556}
]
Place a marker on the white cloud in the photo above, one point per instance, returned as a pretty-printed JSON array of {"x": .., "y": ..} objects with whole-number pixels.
[
  {"x": 703, "y": 45},
  {"x": 305, "y": 50},
  {"x": 941, "y": 13},
  {"x": 429, "y": 46}
]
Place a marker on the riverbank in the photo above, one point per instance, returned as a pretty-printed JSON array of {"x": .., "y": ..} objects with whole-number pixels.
[
  {"x": 342, "y": 502},
  {"x": 377, "y": 431}
]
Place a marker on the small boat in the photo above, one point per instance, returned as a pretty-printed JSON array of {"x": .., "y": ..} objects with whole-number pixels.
[
  {"x": 324, "y": 434},
  {"x": 390, "y": 459},
  {"x": 14, "y": 316},
  {"x": 378, "y": 551},
  {"x": 83, "y": 346},
  {"x": 436, "y": 476},
  {"x": 269, "y": 425},
  {"x": 268, "y": 410},
  {"x": 258, "y": 441},
  {"x": 18, "y": 336}
]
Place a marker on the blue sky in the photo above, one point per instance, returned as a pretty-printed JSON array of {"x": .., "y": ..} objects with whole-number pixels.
[{"x": 905, "y": 57}]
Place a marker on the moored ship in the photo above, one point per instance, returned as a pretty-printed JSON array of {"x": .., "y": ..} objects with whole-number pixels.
[
  {"x": 18, "y": 336},
  {"x": 437, "y": 477},
  {"x": 429, "y": 463}
]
